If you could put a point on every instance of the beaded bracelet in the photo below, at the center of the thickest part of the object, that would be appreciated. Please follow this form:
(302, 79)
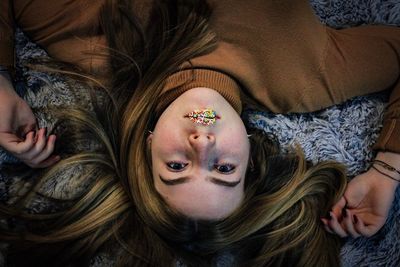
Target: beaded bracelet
(387, 167)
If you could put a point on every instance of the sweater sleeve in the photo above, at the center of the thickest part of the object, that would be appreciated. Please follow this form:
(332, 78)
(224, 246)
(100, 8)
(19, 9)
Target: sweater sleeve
(6, 34)
(67, 30)
(364, 60)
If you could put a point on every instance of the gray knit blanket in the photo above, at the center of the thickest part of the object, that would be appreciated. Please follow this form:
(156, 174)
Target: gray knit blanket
(344, 133)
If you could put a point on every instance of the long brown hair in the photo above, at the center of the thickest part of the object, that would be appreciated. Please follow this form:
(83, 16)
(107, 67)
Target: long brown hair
(277, 224)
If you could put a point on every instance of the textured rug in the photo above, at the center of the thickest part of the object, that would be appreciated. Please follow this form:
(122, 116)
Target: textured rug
(344, 133)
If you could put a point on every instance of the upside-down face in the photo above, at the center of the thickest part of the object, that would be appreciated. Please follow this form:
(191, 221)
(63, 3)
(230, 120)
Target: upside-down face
(200, 152)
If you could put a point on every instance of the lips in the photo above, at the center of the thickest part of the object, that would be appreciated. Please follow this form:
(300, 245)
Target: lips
(204, 117)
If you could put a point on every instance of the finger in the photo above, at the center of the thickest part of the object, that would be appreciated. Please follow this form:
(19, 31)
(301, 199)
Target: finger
(48, 162)
(363, 229)
(28, 143)
(329, 230)
(26, 128)
(16, 145)
(39, 145)
(349, 224)
(47, 151)
(338, 207)
(336, 227)
(326, 225)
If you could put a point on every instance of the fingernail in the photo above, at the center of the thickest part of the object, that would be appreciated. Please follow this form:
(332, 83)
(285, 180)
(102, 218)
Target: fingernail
(329, 216)
(355, 219)
(344, 213)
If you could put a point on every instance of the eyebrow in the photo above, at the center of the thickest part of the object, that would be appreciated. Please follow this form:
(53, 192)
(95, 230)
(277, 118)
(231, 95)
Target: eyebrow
(185, 179)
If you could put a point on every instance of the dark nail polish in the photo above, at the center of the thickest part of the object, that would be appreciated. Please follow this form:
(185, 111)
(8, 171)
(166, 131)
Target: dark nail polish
(329, 216)
(355, 219)
(344, 213)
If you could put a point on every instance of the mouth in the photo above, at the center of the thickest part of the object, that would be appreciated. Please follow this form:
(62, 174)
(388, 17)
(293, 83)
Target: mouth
(204, 117)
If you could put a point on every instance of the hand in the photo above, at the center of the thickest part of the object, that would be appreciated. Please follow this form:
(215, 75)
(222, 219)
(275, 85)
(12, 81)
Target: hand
(364, 208)
(17, 130)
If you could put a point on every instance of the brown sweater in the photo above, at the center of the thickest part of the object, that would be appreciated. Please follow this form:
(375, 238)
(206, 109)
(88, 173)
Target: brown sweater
(276, 51)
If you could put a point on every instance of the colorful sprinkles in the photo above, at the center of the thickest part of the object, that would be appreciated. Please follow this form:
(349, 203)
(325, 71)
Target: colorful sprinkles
(204, 117)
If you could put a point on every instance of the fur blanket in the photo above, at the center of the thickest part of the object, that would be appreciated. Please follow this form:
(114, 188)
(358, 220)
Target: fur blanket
(328, 134)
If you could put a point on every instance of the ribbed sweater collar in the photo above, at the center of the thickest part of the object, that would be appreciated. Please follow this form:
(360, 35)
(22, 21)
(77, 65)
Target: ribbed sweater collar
(184, 80)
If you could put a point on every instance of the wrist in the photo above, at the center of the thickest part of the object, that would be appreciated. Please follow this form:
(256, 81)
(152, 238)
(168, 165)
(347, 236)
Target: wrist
(382, 181)
(388, 165)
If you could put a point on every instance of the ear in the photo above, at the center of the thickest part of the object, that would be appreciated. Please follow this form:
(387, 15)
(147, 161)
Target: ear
(149, 138)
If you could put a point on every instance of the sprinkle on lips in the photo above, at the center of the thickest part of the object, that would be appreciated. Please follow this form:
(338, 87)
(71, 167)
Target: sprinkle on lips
(204, 117)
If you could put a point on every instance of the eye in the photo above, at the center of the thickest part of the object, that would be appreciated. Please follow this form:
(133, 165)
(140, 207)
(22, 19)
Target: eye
(225, 168)
(176, 166)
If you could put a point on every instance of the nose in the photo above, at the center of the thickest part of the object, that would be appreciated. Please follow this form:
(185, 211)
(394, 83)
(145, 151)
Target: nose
(202, 143)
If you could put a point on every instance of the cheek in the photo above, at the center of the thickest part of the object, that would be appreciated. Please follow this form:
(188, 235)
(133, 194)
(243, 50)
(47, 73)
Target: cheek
(166, 136)
(236, 139)
(167, 145)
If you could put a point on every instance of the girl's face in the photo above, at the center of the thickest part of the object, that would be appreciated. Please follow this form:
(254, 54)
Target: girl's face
(200, 170)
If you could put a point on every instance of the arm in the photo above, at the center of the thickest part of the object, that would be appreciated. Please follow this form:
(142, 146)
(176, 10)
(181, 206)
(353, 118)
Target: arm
(364, 208)
(68, 30)
(17, 122)
(364, 60)
(17, 129)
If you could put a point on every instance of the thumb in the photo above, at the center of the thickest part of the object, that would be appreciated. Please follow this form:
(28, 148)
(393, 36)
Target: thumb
(367, 230)
(16, 145)
(339, 206)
